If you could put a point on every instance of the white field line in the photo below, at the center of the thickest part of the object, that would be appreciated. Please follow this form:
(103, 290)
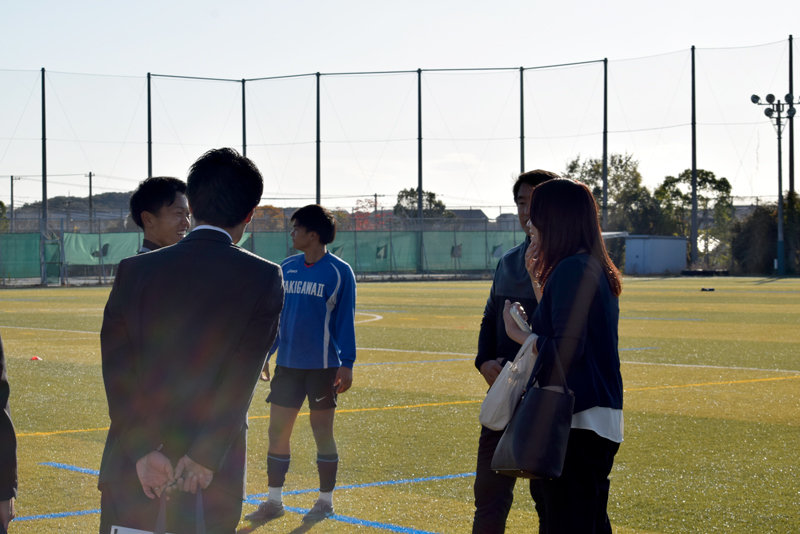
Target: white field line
(378, 317)
(374, 317)
(51, 330)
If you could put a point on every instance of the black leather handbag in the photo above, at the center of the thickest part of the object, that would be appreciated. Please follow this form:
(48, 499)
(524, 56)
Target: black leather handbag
(534, 443)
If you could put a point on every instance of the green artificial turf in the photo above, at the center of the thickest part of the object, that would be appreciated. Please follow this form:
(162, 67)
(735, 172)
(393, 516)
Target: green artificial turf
(712, 409)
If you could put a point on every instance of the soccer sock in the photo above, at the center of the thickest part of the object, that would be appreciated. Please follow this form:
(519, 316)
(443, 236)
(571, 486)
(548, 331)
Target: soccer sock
(275, 495)
(277, 467)
(327, 465)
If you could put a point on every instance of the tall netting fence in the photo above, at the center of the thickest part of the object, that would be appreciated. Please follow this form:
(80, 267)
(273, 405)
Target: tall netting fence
(360, 140)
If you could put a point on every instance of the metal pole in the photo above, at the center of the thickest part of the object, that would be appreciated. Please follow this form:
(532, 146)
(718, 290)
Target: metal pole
(91, 211)
(419, 172)
(521, 120)
(781, 258)
(419, 145)
(791, 119)
(319, 173)
(244, 123)
(605, 143)
(11, 213)
(149, 132)
(693, 237)
(44, 154)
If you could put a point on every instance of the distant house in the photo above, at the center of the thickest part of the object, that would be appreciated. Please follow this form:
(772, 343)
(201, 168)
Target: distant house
(508, 222)
(470, 219)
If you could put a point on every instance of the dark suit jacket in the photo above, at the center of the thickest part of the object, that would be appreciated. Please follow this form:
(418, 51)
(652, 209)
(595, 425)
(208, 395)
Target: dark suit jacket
(8, 439)
(185, 335)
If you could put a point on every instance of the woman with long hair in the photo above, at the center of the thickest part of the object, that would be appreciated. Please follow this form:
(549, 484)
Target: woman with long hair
(576, 320)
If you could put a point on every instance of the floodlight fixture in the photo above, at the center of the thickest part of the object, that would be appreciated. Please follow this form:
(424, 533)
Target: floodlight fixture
(755, 99)
(790, 113)
(768, 112)
(770, 98)
(788, 98)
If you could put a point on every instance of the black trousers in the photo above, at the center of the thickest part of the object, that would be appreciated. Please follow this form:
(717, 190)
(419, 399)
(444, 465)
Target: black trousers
(577, 501)
(124, 504)
(494, 493)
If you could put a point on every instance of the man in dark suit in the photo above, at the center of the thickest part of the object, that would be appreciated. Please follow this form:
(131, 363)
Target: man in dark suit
(185, 335)
(8, 451)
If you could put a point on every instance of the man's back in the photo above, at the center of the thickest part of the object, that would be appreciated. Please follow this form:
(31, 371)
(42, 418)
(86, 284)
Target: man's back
(186, 332)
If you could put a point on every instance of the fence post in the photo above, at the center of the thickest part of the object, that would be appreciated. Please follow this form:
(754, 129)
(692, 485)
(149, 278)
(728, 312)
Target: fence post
(42, 224)
(391, 250)
(102, 277)
(486, 238)
(63, 269)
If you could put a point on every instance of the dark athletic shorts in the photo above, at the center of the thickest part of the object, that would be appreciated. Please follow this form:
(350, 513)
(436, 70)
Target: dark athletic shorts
(290, 387)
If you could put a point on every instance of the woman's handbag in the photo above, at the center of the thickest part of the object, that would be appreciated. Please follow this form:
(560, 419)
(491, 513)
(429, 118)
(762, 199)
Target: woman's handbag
(534, 444)
(161, 522)
(504, 395)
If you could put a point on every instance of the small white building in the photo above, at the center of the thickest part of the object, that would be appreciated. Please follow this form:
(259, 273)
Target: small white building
(654, 254)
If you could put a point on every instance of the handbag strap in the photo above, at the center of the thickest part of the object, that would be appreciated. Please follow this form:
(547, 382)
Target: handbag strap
(199, 518)
(540, 364)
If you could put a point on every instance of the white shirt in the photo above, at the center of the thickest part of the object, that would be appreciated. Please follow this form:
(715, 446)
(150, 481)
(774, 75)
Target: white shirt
(210, 227)
(605, 422)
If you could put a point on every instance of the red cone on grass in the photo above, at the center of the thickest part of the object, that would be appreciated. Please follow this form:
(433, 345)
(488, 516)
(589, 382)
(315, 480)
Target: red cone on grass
(36, 359)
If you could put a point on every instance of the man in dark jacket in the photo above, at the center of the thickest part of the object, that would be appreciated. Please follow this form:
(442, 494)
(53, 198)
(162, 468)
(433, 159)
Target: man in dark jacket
(185, 334)
(494, 493)
(8, 450)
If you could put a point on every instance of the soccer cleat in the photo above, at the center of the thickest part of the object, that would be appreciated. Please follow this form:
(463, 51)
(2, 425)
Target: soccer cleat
(266, 511)
(321, 510)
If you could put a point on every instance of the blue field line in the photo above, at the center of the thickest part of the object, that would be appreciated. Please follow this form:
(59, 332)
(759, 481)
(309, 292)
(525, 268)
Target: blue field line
(640, 348)
(72, 468)
(660, 319)
(54, 516)
(417, 361)
(254, 499)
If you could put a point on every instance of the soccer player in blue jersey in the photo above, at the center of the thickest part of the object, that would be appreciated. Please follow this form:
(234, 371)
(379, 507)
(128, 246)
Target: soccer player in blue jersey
(316, 348)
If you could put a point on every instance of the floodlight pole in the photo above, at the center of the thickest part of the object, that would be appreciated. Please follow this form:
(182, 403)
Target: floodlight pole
(791, 120)
(781, 253)
(773, 111)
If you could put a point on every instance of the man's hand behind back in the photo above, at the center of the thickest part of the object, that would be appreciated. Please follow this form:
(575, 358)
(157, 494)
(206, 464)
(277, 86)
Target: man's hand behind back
(191, 475)
(155, 473)
(491, 370)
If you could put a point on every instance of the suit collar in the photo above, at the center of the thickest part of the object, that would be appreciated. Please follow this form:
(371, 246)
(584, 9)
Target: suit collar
(208, 234)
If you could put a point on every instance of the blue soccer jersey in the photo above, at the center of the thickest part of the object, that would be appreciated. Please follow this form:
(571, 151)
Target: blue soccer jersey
(317, 329)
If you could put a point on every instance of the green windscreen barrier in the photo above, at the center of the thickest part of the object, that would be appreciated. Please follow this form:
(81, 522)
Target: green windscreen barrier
(20, 256)
(365, 251)
(271, 246)
(88, 249)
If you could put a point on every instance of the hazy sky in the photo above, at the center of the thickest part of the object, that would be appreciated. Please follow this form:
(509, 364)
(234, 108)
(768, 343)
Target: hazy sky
(471, 120)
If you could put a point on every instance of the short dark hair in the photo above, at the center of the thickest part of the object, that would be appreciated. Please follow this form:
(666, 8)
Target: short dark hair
(532, 178)
(315, 218)
(154, 194)
(223, 187)
(565, 214)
